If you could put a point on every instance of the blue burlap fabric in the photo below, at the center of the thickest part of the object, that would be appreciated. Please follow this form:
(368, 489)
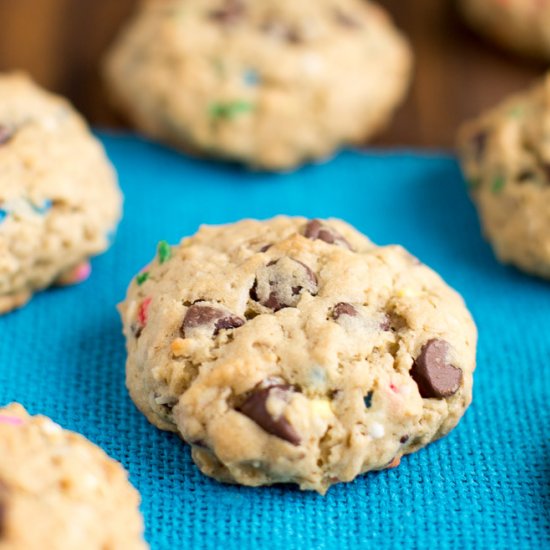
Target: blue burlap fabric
(486, 485)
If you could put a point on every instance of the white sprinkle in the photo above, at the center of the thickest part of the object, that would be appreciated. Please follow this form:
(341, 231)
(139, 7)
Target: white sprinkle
(50, 428)
(376, 430)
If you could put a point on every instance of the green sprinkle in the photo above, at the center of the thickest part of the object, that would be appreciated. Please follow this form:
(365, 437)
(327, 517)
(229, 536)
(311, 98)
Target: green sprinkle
(230, 109)
(498, 184)
(142, 277)
(164, 251)
(517, 111)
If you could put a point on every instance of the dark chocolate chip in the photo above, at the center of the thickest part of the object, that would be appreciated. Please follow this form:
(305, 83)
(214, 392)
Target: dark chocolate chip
(479, 143)
(526, 175)
(230, 13)
(255, 407)
(346, 20)
(282, 31)
(368, 399)
(199, 315)
(404, 439)
(315, 229)
(433, 374)
(5, 134)
(281, 282)
(266, 247)
(343, 308)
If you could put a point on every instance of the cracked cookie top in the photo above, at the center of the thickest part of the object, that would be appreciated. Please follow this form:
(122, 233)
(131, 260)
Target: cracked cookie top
(294, 350)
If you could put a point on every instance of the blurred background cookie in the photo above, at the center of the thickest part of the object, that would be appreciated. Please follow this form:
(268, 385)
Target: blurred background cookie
(59, 199)
(270, 83)
(456, 73)
(506, 159)
(518, 25)
(303, 353)
(58, 491)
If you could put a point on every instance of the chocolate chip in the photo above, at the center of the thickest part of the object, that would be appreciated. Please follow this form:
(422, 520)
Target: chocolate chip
(316, 229)
(346, 20)
(203, 316)
(266, 247)
(230, 13)
(404, 439)
(5, 134)
(368, 399)
(343, 308)
(136, 329)
(255, 407)
(479, 143)
(433, 374)
(281, 282)
(526, 175)
(282, 31)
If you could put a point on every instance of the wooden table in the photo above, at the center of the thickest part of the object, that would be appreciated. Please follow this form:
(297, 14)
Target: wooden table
(457, 74)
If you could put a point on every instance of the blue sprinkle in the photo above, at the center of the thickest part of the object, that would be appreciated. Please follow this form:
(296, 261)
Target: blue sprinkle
(3, 214)
(368, 400)
(43, 208)
(251, 77)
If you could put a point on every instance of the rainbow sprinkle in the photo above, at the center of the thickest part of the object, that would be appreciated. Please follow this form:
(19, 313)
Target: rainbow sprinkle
(230, 109)
(498, 184)
(42, 208)
(143, 311)
(142, 277)
(251, 77)
(11, 420)
(164, 251)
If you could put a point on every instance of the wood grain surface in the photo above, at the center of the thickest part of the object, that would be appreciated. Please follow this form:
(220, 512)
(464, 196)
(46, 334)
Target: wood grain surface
(61, 42)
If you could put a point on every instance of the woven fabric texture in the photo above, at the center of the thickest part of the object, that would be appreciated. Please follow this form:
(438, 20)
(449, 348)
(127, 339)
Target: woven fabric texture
(486, 485)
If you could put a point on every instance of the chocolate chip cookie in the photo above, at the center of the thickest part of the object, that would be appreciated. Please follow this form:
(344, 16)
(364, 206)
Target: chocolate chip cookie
(59, 200)
(269, 83)
(58, 491)
(296, 351)
(506, 160)
(519, 25)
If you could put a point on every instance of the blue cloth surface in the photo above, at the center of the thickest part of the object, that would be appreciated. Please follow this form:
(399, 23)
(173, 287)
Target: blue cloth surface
(486, 485)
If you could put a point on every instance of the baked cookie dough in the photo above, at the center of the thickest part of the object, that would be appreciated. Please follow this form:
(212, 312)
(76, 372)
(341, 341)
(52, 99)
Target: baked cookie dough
(59, 199)
(269, 83)
(296, 351)
(506, 159)
(519, 25)
(58, 491)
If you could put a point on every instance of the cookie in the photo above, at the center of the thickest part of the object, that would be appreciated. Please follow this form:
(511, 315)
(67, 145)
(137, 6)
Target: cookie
(58, 491)
(506, 159)
(59, 200)
(519, 25)
(296, 351)
(269, 83)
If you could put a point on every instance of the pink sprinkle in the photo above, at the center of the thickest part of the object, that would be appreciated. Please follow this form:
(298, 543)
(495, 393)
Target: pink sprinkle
(12, 420)
(394, 388)
(143, 311)
(82, 272)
